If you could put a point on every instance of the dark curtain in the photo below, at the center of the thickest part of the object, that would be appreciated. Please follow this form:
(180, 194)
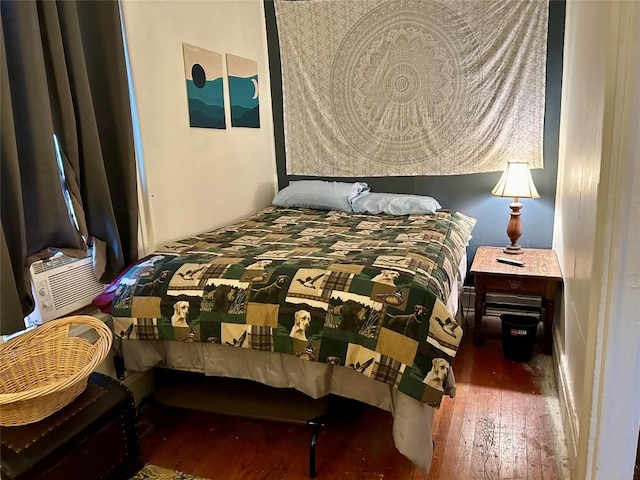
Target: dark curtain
(63, 72)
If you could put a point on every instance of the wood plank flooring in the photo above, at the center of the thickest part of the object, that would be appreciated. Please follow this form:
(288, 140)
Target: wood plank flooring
(503, 424)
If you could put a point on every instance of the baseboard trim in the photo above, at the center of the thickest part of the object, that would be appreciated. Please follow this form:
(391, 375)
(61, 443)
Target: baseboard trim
(467, 300)
(568, 413)
(141, 384)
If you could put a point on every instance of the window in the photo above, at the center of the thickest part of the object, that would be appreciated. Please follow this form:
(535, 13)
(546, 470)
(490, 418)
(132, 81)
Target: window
(63, 183)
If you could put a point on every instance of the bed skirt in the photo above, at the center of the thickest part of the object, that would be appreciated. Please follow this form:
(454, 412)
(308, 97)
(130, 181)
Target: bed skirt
(412, 420)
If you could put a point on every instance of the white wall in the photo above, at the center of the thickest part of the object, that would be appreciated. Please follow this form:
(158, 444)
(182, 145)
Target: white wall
(195, 179)
(581, 119)
(596, 237)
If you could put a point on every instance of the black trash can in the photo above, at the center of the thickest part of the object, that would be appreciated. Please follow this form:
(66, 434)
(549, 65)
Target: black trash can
(518, 336)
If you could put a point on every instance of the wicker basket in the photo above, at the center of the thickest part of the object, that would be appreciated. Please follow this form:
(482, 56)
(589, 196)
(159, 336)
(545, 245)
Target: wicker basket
(44, 369)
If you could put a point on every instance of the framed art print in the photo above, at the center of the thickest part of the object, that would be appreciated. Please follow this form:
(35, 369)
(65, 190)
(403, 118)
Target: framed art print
(205, 88)
(243, 92)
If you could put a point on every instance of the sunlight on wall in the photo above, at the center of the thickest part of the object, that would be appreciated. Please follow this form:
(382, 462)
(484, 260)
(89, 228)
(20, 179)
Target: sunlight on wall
(195, 179)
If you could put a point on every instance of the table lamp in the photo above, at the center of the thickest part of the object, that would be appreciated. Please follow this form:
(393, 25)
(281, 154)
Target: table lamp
(515, 182)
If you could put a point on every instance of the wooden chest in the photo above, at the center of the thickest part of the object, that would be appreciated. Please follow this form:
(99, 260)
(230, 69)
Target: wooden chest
(94, 437)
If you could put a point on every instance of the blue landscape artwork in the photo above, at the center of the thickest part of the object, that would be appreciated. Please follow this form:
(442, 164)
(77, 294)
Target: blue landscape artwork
(243, 92)
(205, 87)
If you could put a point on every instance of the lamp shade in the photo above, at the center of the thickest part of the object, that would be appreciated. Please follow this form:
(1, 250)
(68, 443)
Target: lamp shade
(516, 182)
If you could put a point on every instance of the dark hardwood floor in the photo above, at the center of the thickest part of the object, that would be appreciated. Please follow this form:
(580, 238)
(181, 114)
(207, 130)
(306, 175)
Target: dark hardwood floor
(503, 423)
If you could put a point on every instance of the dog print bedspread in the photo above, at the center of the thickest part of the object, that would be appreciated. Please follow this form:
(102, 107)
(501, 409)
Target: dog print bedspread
(365, 292)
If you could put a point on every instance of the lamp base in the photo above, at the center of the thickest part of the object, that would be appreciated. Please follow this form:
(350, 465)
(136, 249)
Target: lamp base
(514, 229)
(513, 250)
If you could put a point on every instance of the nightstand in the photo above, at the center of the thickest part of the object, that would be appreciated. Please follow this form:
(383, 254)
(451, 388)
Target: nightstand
(539, 277)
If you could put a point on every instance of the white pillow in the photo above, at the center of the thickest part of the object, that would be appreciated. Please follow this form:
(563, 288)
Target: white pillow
(320, 195)
(395, 204)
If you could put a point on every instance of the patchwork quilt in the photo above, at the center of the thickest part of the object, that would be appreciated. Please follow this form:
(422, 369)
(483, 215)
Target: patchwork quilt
(365, 292)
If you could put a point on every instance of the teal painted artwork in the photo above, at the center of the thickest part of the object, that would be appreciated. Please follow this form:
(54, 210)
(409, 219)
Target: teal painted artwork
(243, 92)
(205, 87)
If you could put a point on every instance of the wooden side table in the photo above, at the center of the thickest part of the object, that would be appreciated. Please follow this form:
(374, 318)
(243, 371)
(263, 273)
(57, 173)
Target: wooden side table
(539, 277)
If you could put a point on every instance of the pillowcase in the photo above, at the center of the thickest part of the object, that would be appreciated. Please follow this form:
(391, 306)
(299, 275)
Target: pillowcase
(395, 204)
(320, 195)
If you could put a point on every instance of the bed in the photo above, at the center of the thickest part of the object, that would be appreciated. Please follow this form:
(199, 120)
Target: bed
(324, 301)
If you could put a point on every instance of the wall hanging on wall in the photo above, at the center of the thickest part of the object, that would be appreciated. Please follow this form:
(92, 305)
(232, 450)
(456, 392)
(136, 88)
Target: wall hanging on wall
(205, 90)
(243, 92)
(411, 87)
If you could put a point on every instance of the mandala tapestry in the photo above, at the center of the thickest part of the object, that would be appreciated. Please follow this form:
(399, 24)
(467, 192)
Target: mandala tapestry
(411, 87)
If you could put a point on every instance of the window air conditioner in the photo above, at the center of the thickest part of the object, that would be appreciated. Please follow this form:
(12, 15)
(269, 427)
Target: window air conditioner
(60, 285)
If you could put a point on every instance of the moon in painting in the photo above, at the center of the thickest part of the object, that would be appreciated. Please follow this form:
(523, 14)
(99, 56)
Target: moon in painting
(255, 86)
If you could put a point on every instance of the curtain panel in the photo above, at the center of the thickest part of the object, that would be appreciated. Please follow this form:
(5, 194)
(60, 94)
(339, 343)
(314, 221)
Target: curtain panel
(63, 72)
